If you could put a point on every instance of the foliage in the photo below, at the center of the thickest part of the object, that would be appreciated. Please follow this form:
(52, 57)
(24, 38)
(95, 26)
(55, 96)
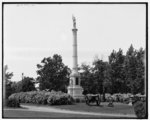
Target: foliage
(77, 100)
(12, 103)
(53, 74)
(7, 83)
(16, 86)
(121, 74)
(59, 99)
(101, 74)
(118, 97)
(43, 97)
(134, 70)
(140, 109)
(110, 100)
(95, 79)
(7, 75)
(87, 80)
(99, 68)
(26, 84)
(116, 60)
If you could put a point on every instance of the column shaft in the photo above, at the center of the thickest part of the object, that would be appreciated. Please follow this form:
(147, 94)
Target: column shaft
(75, 55)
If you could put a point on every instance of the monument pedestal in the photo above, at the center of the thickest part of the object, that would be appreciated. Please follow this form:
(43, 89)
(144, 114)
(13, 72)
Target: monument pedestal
(74, 88)
(76, 92)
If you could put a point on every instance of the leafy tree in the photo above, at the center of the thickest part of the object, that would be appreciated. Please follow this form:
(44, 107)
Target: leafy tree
(107, 83)
(140, 74)
(26, 84)
(100, 72)
(99, 68)
(7, 75)
(7, 91)
(121, 74)
(112, 61)
(134, 70)
(130, 68)
(53, 74)
(116, 61)
(16, 87)
(88, 82)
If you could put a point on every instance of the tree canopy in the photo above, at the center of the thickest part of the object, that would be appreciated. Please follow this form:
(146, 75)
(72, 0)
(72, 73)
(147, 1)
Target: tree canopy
(53, 74)
(7, 82)
(121, 74)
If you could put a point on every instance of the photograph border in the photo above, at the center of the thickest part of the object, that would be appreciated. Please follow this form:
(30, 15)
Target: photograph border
(45, 3)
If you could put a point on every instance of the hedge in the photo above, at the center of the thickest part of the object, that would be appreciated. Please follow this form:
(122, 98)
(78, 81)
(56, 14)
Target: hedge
(12, 103)
(140, 109)
(118, 97)
(43, 97)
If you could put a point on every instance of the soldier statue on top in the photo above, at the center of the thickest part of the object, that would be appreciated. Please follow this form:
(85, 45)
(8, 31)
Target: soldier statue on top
(74, 21)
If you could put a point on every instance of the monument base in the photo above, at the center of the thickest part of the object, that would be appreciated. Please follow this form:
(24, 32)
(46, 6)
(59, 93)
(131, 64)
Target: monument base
(76, 92)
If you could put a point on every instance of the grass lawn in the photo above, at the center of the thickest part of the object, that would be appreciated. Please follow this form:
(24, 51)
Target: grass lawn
(119, 108)
(35, 114)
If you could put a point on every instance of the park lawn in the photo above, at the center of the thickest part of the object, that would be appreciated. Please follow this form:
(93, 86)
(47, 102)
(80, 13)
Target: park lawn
(119, 108)
(36, 114)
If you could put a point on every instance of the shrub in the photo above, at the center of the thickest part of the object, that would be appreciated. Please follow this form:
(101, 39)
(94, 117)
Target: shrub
(40, 98)
(126, 100)
(43, 97)
(140, 109)
(77, 100)
(59, 99)
(82, 100)
(12, 103)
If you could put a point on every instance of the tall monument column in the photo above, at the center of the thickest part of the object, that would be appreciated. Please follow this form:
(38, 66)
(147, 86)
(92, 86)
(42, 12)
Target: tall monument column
(74, 88)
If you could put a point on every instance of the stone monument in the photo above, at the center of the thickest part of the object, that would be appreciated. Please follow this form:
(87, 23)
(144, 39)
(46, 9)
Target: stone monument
(74, 88)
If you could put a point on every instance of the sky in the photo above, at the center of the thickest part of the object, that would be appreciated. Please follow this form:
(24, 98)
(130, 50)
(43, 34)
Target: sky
(33, 31)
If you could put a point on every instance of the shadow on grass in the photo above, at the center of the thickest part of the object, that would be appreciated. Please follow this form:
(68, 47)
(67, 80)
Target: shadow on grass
(6, 107)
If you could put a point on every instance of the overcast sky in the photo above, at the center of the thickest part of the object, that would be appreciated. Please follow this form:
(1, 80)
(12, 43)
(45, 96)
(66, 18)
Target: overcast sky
(32, 32)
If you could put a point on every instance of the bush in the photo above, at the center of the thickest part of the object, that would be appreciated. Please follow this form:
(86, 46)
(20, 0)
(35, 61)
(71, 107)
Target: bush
(83, 100)
(43, 97)
(40, 99)
(12, 103)
(126, 100)
(140, 109)
(77, 100)
(59, 99)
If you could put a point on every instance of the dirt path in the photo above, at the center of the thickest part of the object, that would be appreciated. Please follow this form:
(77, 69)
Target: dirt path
(57, 110)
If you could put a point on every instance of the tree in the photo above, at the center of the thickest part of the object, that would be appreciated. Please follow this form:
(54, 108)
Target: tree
(88, 82)
(140, 74)
(107, 83)
(53, 74)
(134, 70)
(116, 61)
(7, 91)
(121, 74)
(100, 72)
(26, 84)
(7, 75)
